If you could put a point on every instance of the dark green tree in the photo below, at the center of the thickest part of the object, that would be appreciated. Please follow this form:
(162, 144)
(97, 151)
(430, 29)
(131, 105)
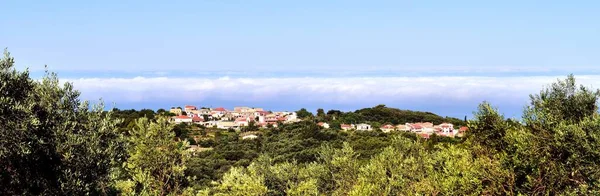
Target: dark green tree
(51, 143)
(321, 112)
(303, 113)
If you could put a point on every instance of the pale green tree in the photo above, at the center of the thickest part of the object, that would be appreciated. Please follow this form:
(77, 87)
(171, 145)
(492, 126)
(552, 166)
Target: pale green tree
(156, 161)
(240, 183)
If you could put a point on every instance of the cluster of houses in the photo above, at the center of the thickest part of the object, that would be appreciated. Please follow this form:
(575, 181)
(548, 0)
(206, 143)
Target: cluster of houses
(423, 129)
(231, 119)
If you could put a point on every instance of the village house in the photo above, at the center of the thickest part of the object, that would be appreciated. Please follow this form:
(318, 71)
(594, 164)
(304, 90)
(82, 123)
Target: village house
(176, 111)
(425, 127)
(387, 128)
(246, 109)
(447, 127)
(242, 122)
(291, 117)
(346, 127)
(403, 127)
(241, 109)
(190, 109)
(203, 111)
(221, 111)
(363, 127)
(323, 124)
(197, 119)
(226, 125)
(211, 123)
(416, 127)
(462, 131)
(182, 119)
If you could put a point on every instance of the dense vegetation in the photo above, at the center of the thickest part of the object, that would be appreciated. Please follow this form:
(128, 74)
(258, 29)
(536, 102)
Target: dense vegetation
(51, 143)
(376, 116)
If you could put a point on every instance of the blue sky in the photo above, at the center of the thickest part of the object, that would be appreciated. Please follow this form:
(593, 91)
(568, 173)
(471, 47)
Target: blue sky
(333, 50)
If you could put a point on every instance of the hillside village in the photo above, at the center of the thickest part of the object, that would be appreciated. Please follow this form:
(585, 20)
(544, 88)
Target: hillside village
(231, 119)
(240, 117)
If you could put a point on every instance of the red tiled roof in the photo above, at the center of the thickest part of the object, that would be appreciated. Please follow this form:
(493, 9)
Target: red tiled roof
(345, 125)
(182, 117)
(387, 127)
(190, 106)
(417, 126)
(263, 112)
(463, 128)
(197, 119)
(320, 123)
(221, 109)
(445, 125)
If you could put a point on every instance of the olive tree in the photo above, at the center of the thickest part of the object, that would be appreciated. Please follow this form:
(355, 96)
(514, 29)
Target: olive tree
(51, 142)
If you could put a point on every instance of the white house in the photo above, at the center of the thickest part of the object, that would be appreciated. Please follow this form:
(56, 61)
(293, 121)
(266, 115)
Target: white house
(241, 122)
(182, 119)
(226, 125)
(363, 127)
(190, 108)
(211, 123)
(204, 111)
(447, 127)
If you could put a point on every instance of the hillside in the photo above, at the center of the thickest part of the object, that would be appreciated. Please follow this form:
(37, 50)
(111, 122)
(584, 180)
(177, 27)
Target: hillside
(381, 114)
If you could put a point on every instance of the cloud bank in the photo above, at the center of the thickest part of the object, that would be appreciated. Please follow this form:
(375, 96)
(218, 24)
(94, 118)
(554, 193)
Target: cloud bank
(452, 96)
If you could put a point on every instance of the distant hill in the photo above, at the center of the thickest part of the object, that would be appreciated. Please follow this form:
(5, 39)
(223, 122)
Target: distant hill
(382, 114)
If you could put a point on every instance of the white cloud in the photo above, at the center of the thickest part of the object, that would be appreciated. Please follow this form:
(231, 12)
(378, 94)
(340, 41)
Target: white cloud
(439, 91)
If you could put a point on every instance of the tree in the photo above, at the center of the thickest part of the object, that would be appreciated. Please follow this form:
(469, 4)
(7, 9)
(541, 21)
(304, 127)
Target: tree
(556, 152)
(303, 113)
(51, 143)
(156, 162)
(237, 182)
(563, 101)
(488, 128)
(321, 113)
(251, 127)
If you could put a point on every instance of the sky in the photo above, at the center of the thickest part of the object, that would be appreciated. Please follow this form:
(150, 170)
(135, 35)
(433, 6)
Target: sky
(440, 56)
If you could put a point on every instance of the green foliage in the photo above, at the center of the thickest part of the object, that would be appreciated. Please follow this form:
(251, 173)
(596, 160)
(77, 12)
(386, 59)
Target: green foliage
(303, 113)
(237, 182)
(128, 117)
(51, 143)
(553, 152)
(488, 128)
(156, 164)
(384, 115)
(299, 141)
(556, 151)
(403, 168)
